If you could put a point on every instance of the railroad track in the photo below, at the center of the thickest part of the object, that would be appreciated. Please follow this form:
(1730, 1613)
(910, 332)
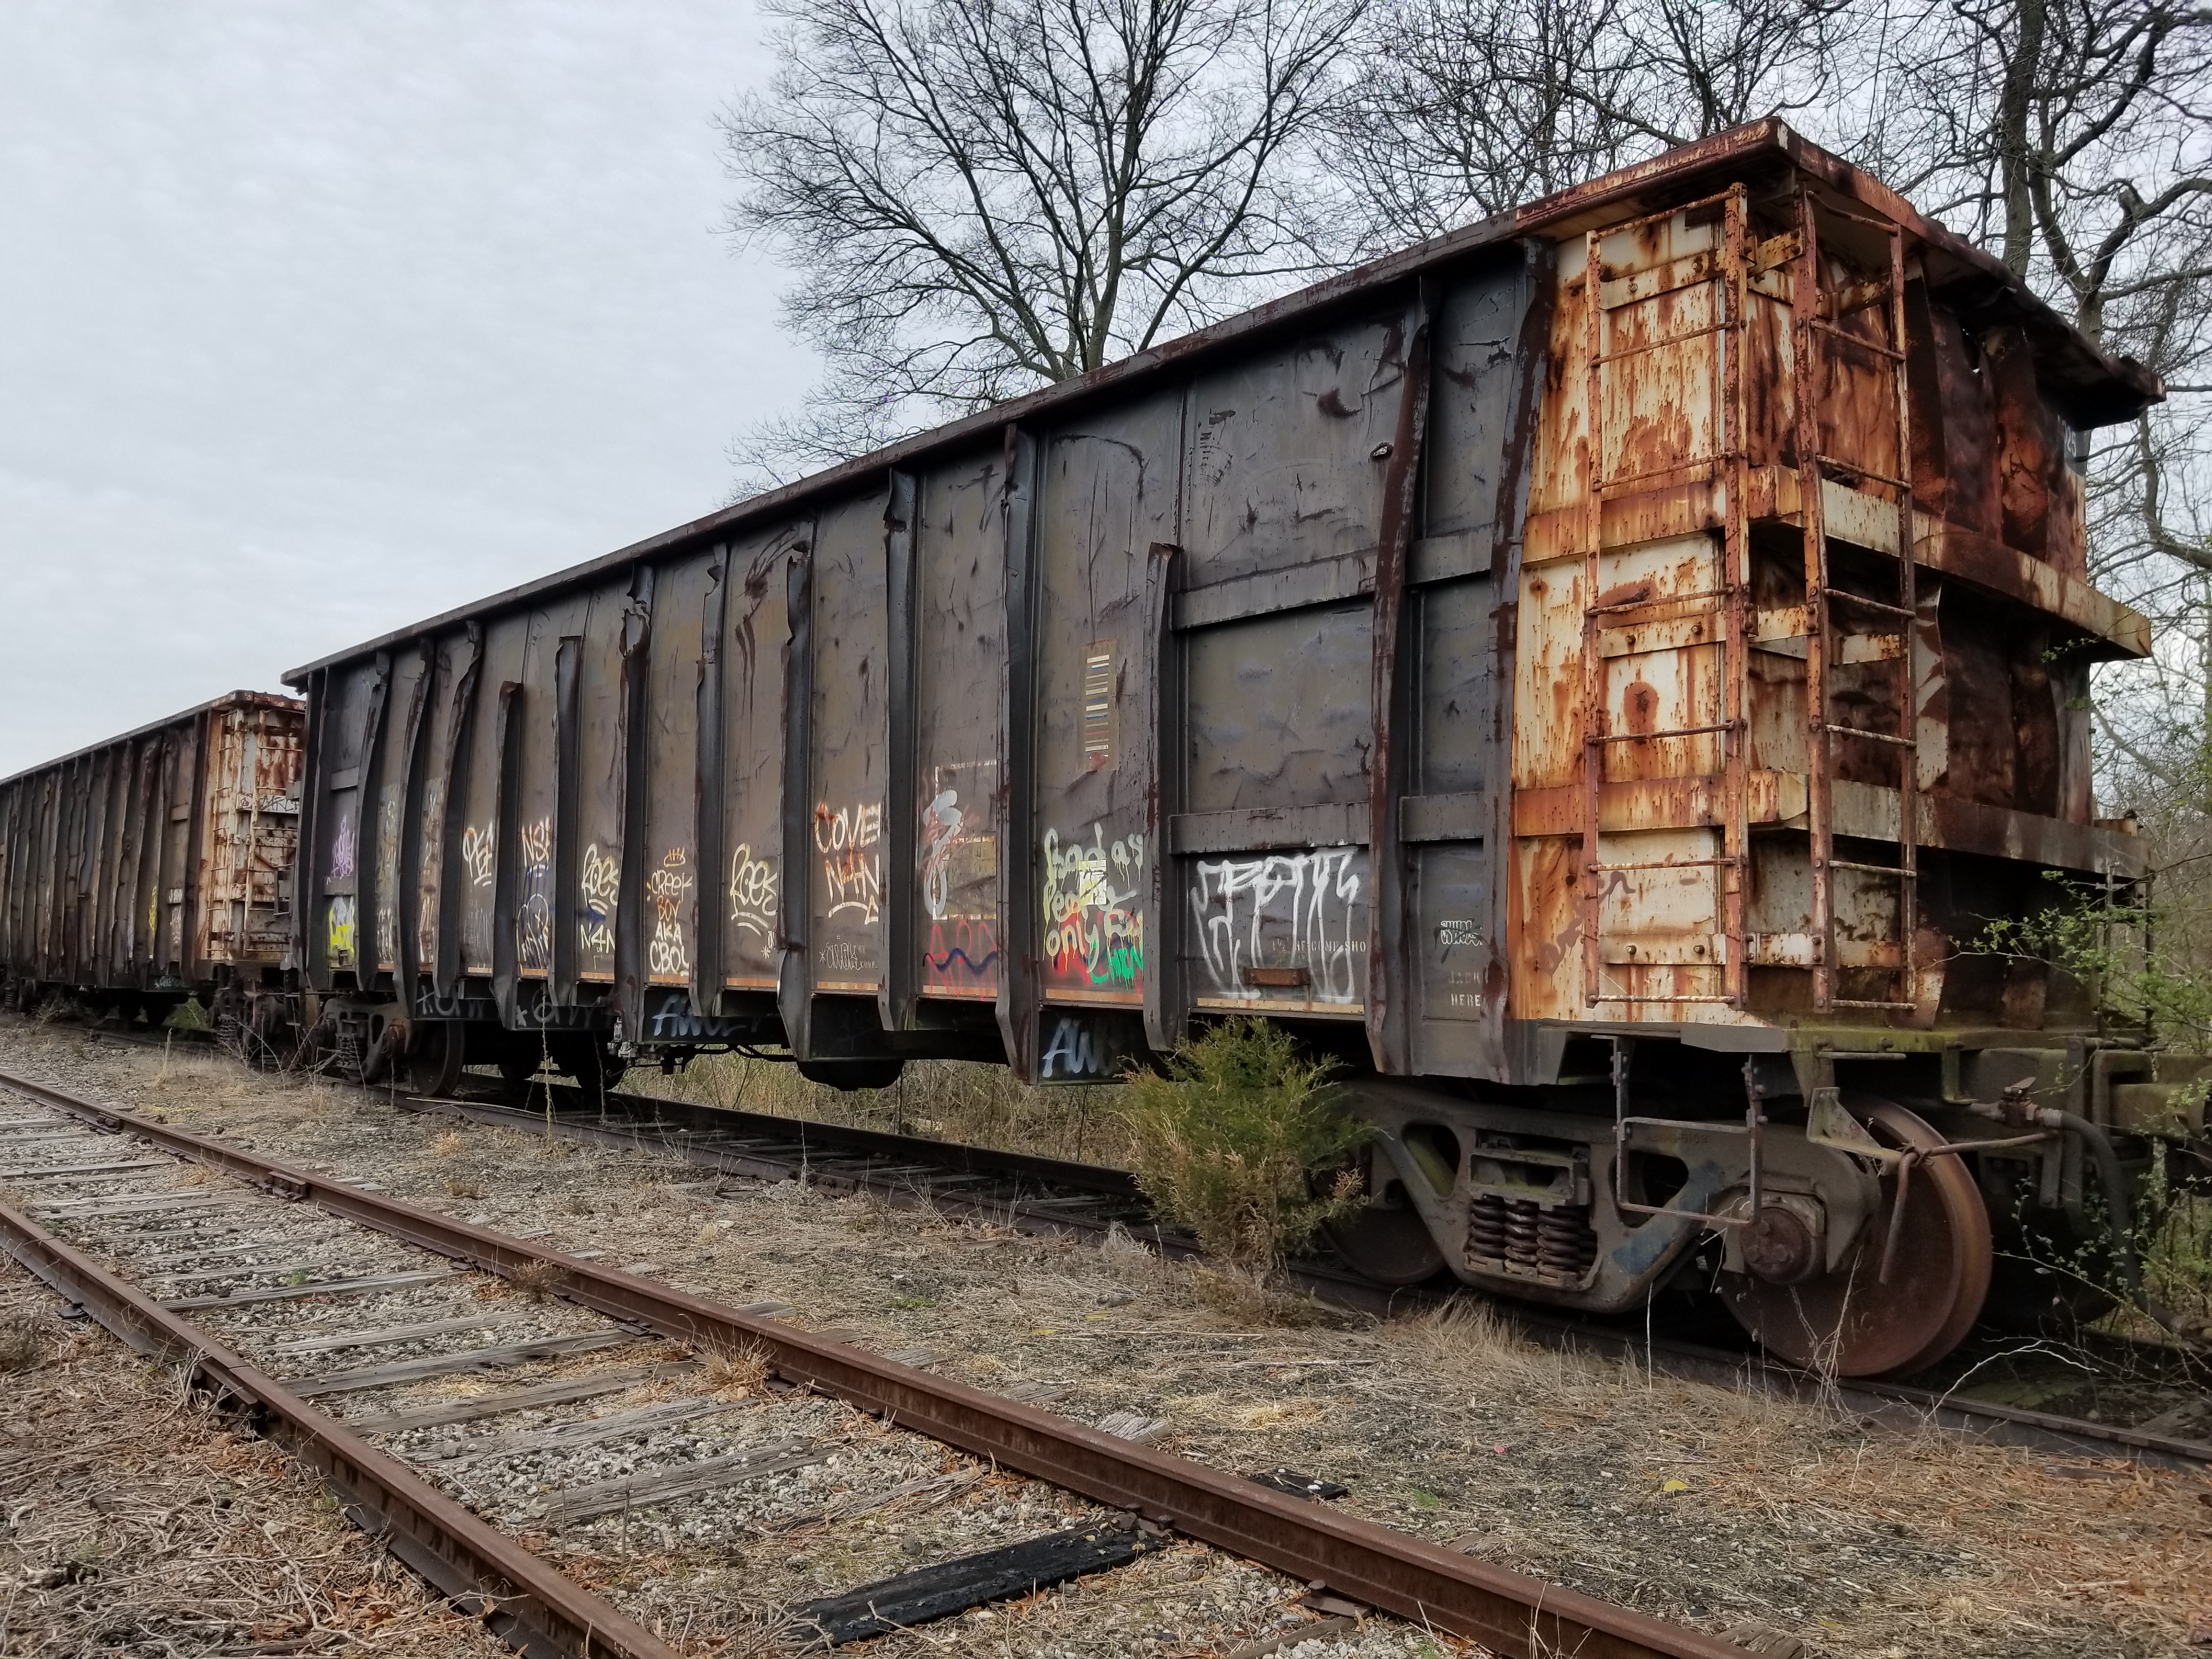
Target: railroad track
(1039, 1195)
(327, 1310)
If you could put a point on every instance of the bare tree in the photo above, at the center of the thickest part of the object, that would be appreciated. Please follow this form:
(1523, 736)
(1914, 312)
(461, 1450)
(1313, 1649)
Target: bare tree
(982, 195)
(2073, 138)
(1472, 108)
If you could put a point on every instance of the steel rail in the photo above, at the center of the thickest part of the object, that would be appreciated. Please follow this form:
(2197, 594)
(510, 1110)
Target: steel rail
(1506, 1611)
(1900, 1403)
(525, 1601)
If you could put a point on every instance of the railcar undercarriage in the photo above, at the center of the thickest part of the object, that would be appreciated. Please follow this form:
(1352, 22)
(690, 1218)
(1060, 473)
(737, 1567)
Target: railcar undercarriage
(1848, 1210)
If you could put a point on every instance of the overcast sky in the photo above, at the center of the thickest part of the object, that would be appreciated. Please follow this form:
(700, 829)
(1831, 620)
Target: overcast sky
(316, 320)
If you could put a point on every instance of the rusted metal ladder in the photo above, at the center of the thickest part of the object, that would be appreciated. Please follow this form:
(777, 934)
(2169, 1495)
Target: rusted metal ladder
(1843, 627)
(1632, 624)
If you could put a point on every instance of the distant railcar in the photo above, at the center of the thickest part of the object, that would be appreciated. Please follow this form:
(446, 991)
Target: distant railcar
(1594, 671)
(157, 866)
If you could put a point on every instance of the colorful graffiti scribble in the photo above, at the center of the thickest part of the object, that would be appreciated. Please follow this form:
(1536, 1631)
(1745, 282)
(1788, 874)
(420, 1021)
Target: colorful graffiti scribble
(962, 956)
(338, 935)
(1093, 920)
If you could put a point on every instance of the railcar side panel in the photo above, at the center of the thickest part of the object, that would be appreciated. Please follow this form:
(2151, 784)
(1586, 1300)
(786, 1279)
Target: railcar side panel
(957, 686)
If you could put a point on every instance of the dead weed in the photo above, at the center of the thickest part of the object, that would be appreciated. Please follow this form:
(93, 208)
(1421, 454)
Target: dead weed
(538, 1280)
(736, 1373)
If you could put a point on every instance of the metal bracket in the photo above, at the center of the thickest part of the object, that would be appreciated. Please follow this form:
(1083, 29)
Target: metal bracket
(1827, 1124)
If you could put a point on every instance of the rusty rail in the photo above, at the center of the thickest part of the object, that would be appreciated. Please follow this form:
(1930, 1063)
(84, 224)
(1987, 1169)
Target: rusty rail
(530, 1604)
(1508, 1612)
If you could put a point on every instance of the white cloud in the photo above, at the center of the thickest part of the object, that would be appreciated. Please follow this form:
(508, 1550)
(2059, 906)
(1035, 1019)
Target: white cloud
(320, 319)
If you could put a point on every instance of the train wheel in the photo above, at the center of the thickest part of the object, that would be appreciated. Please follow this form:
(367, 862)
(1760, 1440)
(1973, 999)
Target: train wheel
(1390, 1245)
(1848, 1322)
(442, 1054)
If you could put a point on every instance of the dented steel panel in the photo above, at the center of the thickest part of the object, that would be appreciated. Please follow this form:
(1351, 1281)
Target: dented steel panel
(1431, 657)
(159, 861)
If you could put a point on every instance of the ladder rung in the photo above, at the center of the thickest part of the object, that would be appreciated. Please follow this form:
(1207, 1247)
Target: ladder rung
(1668, 864)
(1652, 736)
(1729, 327)
(1608, 996)
(1888, 227)
(1871, 605)
(1877, 737)
(1873, 869)
(1853, 466)
(1874, 346)
(1646, 604)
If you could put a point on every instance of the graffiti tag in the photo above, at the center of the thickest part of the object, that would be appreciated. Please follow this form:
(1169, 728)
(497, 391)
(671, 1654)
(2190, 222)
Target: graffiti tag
(597, 888)
(666, 887)
(853, 874)
(1094, 924)
(1284, 909)
(477, 855)
(533, 915)
(752, 893)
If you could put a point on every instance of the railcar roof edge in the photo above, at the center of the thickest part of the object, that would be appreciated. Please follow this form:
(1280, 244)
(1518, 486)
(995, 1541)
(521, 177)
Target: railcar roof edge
(228, 699)
(2096, 389)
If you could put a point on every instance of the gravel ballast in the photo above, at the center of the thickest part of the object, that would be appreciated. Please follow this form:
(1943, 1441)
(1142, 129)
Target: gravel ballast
(1685, 1501)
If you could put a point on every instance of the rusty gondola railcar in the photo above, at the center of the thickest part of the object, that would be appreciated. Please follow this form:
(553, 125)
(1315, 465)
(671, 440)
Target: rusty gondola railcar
(1593, 672)
(157, 866)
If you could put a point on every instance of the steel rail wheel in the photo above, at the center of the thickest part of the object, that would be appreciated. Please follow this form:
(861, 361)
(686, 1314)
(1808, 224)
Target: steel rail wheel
(1852, 1323)
(1385, 1245)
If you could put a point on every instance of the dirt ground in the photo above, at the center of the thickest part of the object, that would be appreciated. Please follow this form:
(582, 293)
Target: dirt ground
(1685, 1501)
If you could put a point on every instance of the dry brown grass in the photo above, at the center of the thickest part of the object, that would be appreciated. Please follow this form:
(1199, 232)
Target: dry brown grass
(448, 1144)
(136, 1522)
(21, 1343)
(942, 1099)
(2128, 1543)
(1866, 1541)
(736, 1373)
(1245, 1298)
(538, 1280)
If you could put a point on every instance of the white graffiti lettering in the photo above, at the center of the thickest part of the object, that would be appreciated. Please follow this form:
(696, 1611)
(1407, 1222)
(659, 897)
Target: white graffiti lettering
(477, 855)
(666, 887)
(533, 915)
(597, 886)
(940, 825)
(1298, 909)
(1069, 1054)
(853, 874)
(752, 893)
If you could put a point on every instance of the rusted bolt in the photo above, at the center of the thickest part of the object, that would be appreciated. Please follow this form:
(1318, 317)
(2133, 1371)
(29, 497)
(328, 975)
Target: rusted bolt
(1780, 1248)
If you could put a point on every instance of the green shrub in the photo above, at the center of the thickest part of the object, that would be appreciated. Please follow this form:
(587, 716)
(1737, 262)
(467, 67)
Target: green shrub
(1230, 1140)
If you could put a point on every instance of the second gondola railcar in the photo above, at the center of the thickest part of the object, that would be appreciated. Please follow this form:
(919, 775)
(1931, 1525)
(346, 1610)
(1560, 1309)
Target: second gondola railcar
(157, 866)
